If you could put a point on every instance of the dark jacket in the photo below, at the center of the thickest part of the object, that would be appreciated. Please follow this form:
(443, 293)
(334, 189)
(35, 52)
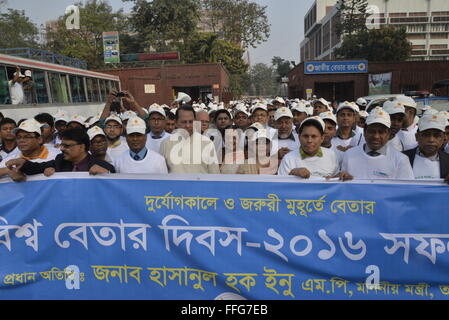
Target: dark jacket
(444, 161)
(61, 165)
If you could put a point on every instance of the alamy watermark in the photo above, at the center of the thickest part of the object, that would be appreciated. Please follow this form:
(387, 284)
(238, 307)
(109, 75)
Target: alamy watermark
(72, 22)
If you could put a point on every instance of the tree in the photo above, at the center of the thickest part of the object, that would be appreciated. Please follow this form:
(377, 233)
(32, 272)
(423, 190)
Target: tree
(164, 24)
(385, 44)
(353, 15)
(263, 80)
(239, 21)
(17, 30)
(282, 66)
(86, 43)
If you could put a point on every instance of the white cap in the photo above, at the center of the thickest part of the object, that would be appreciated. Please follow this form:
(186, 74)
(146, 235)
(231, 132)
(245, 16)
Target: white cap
(183, 97)
(329, 115)
(61, 116)
(279, 99)
(445, 114)
(282, 112)
(258, 106)
(313, 119)
(241, 108)
(393, 107)
(323, 101)
(93, 120)
(430, 111)
(157, 109)
(30, 125)
(113, 117)
(20, 75)
(361, 102)
(257, 126)
(309, 110)
(425, 108)
(28, 73)
(153, 105)
(127, 114)
(406, 101)
(136, 125)
(356, 107)
(300, 107)
(78, 119)
(347, 105)
(261, 134)
(378, 115)
(363, 114)
(95, 131)
(432, 121)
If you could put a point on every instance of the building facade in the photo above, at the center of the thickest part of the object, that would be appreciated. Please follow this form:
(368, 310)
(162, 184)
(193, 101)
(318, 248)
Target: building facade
(161, 84)
(426, 23)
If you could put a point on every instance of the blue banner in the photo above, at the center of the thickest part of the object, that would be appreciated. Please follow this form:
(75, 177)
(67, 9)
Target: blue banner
(76, 237)
(326, 67)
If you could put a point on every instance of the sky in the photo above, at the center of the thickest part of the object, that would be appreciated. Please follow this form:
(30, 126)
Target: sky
(286, 18)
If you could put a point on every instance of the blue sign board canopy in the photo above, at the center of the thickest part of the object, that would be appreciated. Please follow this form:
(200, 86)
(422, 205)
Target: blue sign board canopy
(334, 67)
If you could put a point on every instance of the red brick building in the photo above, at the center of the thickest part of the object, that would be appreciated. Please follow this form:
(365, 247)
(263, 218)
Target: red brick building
(161, 84)
(405, 76)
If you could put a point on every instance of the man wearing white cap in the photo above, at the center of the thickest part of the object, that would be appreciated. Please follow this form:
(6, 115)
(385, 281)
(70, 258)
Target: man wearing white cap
(139, 159)
(427, 160)
(76, 121)
(319, 106)
(346, 118)
(407, 134)
(278, 102)
(30, 145)
(396, 111)
(99, 144)
(376, 159)
(241, 117)
(311, 161)
(113, 129)
(299, 112)
(16, 88)
(288, 139)
(156, 123)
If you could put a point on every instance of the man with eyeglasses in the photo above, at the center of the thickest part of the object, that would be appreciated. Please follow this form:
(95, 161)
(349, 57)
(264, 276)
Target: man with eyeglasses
(74, 157)
(187, 150)
(30, 145)
(116, 143)
(156, 124)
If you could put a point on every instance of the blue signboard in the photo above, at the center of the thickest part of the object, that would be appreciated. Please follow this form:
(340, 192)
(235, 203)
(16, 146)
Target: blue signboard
(76, 237)
(326, 67)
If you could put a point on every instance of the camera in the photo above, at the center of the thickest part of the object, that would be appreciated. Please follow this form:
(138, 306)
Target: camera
(120, 94)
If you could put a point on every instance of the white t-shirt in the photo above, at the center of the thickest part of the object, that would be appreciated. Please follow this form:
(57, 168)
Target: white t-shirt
(155, 144)
(153, 163)
(424, 168)
(393, 165)
(4, 155)
(115, 152)
(16, 92)
(319, 167)
(338, 153)
(52, 153)
(336, 141)
(408, 138)
(289, 143)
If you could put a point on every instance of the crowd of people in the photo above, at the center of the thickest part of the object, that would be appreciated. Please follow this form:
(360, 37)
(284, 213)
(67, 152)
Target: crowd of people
(310, 139)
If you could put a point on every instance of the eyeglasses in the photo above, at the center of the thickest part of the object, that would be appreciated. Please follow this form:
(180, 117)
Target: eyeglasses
(68, 146)
(113, 127)
(25, 137)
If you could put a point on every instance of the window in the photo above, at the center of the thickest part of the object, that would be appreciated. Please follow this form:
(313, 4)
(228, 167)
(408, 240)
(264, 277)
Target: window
(40, 87)
(104, 92)
(58, 87)
(92, 90)
(77, 89)
(438, 36)
(4, 90)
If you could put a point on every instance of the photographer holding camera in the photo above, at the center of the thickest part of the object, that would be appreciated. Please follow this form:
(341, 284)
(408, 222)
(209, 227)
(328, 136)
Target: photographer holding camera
(111, 123)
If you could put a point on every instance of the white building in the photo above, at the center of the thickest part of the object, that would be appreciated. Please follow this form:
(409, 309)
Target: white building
(426, 23)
